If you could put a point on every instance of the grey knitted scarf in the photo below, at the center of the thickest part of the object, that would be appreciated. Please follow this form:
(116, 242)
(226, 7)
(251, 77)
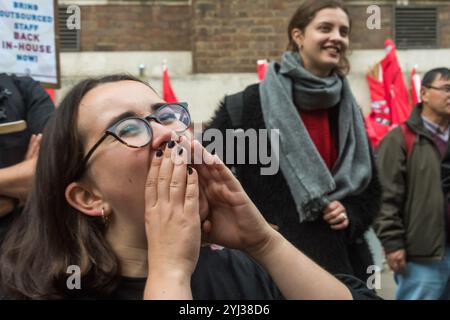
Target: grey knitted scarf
(288, 87)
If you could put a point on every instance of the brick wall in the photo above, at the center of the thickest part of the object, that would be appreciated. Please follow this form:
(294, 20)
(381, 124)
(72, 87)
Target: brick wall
(135, 28)
(224, 35)
(232, 35)
(361, 36)
(444, 27)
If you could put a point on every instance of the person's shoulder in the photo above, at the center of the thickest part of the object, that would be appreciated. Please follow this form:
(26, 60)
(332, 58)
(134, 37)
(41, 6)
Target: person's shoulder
(393, 138)
(27, 85)
(26, 80)
(251, 92)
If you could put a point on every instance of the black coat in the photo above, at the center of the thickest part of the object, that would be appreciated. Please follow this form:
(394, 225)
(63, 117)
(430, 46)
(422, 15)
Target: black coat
(337, 251)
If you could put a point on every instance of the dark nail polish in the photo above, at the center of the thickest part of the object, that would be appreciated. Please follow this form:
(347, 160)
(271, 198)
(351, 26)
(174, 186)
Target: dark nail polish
(190, 171)
(159, 153)
(180, 151)
(213, 152)
(171, 144)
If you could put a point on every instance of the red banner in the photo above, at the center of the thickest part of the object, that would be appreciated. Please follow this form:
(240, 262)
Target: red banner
(168, 94)
(262, 68)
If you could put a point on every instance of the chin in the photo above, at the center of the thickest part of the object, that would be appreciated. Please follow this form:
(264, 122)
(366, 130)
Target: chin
(331, 62)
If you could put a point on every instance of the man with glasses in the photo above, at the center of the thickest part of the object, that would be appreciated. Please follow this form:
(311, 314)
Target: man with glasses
(414, 221)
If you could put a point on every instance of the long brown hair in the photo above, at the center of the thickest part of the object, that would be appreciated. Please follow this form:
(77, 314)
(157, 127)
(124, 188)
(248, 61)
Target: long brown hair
(50, 235)
(303, 16)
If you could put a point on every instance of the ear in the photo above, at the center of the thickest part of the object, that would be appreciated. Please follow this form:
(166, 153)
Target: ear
(85, 200)
(424, 94)
(297, 36)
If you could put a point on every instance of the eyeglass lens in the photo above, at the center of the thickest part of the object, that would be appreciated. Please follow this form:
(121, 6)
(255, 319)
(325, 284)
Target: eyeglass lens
(136, 133)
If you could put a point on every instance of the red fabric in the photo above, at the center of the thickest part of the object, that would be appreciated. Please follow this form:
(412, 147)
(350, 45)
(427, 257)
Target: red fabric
(415, 87)
(375, 130)
(51, 93)
(318, 125)
(389, 96)
(168, 94)
(261, 68)
(379, 119)
(396, 93)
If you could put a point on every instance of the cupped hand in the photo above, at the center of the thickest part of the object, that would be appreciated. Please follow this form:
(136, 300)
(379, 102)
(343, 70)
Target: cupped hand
(234, 221)
(172, 218)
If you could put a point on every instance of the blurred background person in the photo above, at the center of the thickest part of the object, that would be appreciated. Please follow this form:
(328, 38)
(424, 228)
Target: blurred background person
(21, 98)
(413, 225)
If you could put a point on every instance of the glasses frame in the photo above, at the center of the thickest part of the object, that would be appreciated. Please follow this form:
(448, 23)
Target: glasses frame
(146, 120)
(444, 89)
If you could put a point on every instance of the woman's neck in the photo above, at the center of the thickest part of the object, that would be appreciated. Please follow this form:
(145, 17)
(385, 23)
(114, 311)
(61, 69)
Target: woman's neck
(129, 243)
(440, 121)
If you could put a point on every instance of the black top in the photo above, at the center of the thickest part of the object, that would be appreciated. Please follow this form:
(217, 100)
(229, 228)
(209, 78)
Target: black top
(227, 275)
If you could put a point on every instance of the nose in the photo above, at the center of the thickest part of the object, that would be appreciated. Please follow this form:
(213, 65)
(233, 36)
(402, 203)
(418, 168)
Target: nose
(336, 36)
(161, 134)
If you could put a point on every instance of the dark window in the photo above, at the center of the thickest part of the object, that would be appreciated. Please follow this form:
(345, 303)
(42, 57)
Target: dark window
(416, 27)
(69, 40)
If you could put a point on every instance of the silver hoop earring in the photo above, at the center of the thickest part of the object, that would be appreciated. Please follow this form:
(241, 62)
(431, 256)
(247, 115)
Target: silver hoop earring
(104, 217)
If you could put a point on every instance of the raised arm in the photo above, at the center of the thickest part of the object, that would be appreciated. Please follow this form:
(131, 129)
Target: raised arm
(235, 222)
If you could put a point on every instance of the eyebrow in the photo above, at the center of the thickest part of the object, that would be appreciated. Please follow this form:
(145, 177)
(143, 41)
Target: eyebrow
(329, 24)
(119, 117)
(128, 114)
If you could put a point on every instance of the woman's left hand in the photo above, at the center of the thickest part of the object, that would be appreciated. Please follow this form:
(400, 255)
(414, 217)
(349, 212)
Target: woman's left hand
(234, 221)
(336, 215)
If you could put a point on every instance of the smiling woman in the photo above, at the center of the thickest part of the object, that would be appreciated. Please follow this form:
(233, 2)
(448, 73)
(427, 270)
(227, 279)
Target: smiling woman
(319, 31)
(327, 193)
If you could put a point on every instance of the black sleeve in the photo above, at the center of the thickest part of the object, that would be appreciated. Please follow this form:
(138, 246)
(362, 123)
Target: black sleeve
(231, 275)
(363, 208)
(357, 288)
(39, 106)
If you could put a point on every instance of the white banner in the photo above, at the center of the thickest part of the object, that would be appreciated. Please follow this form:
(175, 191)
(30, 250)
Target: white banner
(27, 39)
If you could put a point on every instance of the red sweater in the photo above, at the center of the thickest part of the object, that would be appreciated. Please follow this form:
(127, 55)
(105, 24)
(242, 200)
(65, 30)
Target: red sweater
(318, 125)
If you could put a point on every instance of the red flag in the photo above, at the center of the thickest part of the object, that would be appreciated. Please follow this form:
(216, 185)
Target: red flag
(395, 89)
(375, 130)
(262, 67)
(168, 94)
(51, 93)
(415, 86)
(379, 119)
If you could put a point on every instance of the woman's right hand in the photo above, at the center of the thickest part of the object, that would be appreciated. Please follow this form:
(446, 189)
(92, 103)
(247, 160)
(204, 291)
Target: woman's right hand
(233, 221)
(172, 225)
